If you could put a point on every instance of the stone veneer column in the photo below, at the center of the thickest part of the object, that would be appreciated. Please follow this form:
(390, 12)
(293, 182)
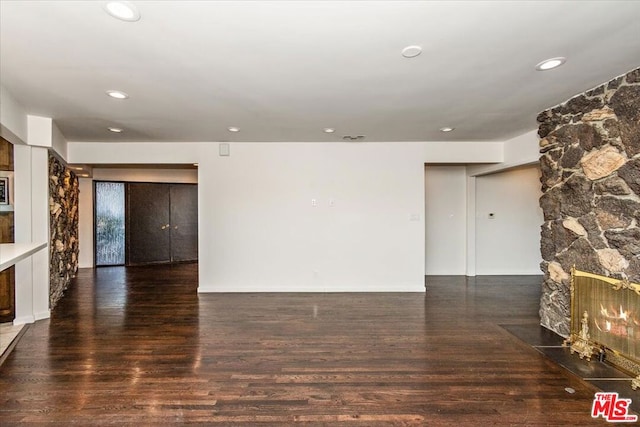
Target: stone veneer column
(63, 228)
(590, 162)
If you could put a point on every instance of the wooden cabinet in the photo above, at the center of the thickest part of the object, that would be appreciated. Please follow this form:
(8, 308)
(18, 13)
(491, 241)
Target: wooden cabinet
(162, 223)
(7, 297)
(7, 277)
(6, 155)
(6, 227)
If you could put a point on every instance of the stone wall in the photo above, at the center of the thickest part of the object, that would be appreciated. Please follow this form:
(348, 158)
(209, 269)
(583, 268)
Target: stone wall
(590, 162)
(63, 228)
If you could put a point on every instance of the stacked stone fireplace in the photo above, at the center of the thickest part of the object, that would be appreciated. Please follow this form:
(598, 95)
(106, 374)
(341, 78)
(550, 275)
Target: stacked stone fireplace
(590, 163)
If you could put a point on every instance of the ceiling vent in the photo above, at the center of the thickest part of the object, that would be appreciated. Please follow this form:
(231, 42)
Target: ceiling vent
(353, 138)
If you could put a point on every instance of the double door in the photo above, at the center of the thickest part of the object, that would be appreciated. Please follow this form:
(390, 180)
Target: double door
(161, 223)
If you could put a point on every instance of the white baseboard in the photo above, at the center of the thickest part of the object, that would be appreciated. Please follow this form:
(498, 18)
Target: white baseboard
(42, 315)
(23, 320)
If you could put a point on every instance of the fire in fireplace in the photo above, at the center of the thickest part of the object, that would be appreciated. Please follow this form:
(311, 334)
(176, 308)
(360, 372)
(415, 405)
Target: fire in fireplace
(621, 322)
(605, 319)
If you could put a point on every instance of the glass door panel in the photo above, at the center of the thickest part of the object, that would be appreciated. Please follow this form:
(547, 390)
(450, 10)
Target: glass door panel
(109, 223)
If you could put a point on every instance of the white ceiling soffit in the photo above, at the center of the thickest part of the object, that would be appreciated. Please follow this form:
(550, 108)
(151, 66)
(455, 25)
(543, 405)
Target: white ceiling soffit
(284, 71)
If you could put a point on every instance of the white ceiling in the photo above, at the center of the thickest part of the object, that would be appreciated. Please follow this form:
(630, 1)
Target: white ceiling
(283, 71)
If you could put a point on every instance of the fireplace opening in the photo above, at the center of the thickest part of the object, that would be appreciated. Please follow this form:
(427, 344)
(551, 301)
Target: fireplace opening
(605, 320)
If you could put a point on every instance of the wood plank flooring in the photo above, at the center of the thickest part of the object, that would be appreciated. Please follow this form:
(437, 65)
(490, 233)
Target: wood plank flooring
(139, 346)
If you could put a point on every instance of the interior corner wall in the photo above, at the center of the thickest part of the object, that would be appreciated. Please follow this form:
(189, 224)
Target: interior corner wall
(445, 219)
(509, 242)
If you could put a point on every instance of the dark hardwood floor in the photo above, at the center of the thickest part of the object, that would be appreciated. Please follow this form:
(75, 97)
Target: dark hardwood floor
(139, 346)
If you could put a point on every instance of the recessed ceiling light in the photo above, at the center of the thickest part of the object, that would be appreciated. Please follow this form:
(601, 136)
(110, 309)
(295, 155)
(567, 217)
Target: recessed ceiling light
(233, 129)
(446, 129)
(77, 168)
(411, 51)
(549, 64)
(115, 130)
(117, 94)
(328, 130)
(85, 175)
(123, 10)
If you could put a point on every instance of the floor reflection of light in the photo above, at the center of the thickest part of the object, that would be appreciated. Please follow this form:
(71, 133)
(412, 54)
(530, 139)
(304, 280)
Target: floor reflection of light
(135, 375)
(87, 374)
(197, 360)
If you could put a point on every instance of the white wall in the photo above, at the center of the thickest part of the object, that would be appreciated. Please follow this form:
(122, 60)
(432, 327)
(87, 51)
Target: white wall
(185, 176)
(58, 142)
(445, 220)
(85, 227)
(522, 150)
(32, 225)
(85, 223)
(31, 207)
(13, 118)
(195, 152)
(259, 230)
(509, 243)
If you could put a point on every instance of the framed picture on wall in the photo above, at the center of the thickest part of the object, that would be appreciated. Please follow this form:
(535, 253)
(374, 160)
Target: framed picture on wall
(4, 191)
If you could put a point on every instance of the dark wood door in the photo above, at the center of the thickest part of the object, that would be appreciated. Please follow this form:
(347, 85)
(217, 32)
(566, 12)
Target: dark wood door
(184, 222)
(148, 225)
(161, 223)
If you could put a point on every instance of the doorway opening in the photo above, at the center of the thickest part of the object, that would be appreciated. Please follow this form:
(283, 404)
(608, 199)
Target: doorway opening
(140, 223)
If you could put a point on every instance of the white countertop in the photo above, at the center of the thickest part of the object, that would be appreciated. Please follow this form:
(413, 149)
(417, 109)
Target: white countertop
(11, 253)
